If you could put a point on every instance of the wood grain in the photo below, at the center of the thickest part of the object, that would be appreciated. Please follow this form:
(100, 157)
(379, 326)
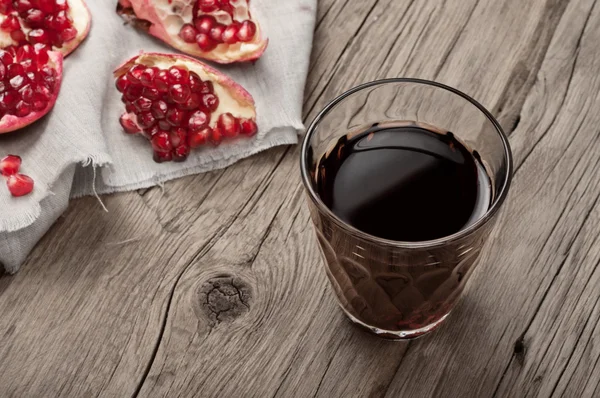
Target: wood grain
(213, 285)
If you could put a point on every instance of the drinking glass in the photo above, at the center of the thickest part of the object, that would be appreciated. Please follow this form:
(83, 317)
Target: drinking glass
(395, 289)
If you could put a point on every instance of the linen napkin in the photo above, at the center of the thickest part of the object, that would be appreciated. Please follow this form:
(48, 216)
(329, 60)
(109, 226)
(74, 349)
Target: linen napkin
(80, 149)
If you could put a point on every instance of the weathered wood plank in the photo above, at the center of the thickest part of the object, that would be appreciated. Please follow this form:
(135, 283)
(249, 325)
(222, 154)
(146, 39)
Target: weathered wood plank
(214, 286)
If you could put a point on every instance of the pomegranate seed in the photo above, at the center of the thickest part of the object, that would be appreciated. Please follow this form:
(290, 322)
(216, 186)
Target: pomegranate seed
(49, 21)
(177, 136)
(216, 33)
(230, 34)
(39, 36)
(35, 18)
(188, 33)
(129, 107)
(22, 5)
(159, 109)
(161, 142)
(42, 94)
(10, 24)
(151, 93)
(55, 38)
(164, 125)
(146, 120)
(41, 50)
(10, 165)
(226, 6)
(29, 67)
(229, 124)
(68, 34)
(216, 136)
(39, 105)
(46, 5)
(179, 93)
(142, 104)
(175, 117)
(198, 120)
(18, 36)
(160, 157)
(25, 52)
(205, 23)
(2, 71)
(19, 184)
(207, 88)
(181, 153)
(17, 82)
(249, 127)
(147, 77)
(194, 82)
(151, 132)
(208, 5)
(210, 102)
(135, 73)
(15, 70)
(22, 109)
(177, 75)
(26, 93)
(205, 42)
(161, 81)
(61, 21)
(122, 83)
(133, 92)
(10, 99)
(199, 138)
(247, 31)
(6, 57)
(48, 73)
(192, 102)
(128, 124)
(61, 5)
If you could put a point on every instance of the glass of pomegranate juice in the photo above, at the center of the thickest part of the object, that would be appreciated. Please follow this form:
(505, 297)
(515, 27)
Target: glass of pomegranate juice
(404, 179)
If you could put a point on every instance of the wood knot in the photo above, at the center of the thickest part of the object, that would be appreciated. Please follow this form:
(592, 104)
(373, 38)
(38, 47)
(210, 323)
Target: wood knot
(225, 298)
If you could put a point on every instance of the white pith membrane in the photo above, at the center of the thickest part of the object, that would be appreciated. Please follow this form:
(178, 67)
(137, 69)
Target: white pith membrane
(80, 18)
(173, 14)
(232, 97)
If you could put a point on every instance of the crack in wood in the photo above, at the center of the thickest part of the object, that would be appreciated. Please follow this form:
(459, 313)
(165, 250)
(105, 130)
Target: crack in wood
(337, 61)
(562, 102)
(393, 376)
(327, 368)
(524, 75)
(574, 349)
(392, 47)
(436, 74)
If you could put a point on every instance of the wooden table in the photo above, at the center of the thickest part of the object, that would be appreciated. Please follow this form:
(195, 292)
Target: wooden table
(213, 286)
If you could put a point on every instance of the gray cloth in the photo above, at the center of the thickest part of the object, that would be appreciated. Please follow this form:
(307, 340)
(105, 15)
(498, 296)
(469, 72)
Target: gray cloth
(80, 144)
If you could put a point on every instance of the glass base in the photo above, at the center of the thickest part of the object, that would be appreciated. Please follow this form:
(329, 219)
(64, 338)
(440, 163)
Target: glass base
(397, 335)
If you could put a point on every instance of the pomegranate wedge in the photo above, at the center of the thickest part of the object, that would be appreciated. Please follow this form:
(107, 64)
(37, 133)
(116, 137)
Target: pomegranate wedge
(179, 104)
(222, 31)
(62, 24)
(30, 78)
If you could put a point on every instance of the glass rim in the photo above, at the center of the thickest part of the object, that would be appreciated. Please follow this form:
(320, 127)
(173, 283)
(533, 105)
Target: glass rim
(500, 197)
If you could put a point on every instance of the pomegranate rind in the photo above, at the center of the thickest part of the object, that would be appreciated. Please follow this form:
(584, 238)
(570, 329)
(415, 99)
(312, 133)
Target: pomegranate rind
(243, 100)
(11, 123)
(146, 11)
(82, 21)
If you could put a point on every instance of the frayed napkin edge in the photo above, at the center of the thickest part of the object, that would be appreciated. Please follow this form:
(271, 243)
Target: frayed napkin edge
(26, 218)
